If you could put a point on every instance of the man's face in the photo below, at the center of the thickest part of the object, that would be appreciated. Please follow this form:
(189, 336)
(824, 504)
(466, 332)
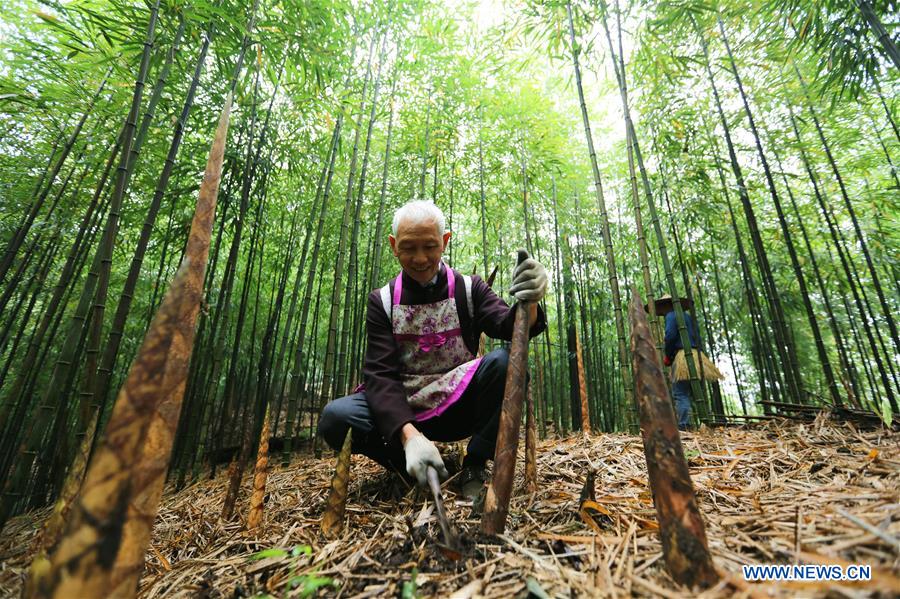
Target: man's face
(419, 247)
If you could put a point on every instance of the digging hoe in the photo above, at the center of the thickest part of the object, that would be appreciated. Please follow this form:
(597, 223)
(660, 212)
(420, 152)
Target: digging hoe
(451, 547)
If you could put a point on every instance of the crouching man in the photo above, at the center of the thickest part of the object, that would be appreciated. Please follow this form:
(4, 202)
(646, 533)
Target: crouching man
(422, 379)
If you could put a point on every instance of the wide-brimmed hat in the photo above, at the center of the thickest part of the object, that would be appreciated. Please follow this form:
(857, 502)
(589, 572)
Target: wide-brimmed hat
(664, 305)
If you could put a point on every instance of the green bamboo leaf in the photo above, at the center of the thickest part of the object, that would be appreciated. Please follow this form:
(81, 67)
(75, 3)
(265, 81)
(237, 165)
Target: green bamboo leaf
(267, 553)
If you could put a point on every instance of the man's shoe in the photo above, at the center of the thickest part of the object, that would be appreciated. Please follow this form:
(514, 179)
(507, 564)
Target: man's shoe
(471, 481)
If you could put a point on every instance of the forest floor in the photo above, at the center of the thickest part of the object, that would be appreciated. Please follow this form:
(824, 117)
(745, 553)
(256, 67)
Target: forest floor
(821, 492)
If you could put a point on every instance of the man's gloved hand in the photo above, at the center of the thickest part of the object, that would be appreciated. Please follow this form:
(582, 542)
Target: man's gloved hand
(667, 360)
(420, 454)
(529, 280)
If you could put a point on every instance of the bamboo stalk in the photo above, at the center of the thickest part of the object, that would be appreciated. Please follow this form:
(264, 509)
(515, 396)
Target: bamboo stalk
(582, 389)
(792, 370)
(379, 220)
(57, 390)
(348, 348)
(123, 486)
(298, 373)
(97, 393)
(697, 389)
(332, 382)
(776, 314)
(260, 476)
(604, 220)
(531, 485)
(837, 238)
(203, 378)
(18, 237)
(879, 31)
(680, 524)
(230, 394)
(333, 517)
(496, 504)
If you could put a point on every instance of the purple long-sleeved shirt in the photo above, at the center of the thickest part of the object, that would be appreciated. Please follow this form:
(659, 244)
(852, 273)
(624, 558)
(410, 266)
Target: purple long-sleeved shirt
(381, 371)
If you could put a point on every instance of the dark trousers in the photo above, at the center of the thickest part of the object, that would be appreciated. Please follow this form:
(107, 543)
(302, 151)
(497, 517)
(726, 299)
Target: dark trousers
(475, 414)
(681, 391)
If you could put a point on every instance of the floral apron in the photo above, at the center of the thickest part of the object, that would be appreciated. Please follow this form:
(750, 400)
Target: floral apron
(435, 364)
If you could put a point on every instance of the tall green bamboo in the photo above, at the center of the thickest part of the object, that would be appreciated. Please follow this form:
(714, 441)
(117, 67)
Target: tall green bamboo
(836, 240)
(330, 373)
(298, 373)
(887, 111)
(315, 207)
(98, 394)
(32, 251)
(229, 396)
(887, 312)
(349, 321)
(203, 382)
(776, 313)
(53, 396)
(723, 313)
(879, 31)
(826, 297)
(696, 388)
(375, 279)
(604, 220)
(746, 274)
(424, 168)
(804, 292)
(251, 419)
(18, 238)
(269, 364)
(560, 326)
(39, 345)
(793, 368)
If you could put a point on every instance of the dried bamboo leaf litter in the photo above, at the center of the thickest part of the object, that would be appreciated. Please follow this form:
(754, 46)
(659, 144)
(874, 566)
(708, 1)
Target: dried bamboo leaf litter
(765, 491)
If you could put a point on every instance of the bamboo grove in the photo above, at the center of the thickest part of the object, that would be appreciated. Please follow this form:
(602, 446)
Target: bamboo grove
(740, 154)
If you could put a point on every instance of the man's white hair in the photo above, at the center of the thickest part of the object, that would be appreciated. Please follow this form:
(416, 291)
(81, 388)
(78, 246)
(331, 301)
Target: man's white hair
(417, 212)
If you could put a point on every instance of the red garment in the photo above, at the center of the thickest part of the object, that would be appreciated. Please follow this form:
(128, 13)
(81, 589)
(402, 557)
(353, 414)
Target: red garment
(385, 393)
(667, 360)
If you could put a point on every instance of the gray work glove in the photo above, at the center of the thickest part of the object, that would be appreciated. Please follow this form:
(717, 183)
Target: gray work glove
(529, 279)
(420, 454)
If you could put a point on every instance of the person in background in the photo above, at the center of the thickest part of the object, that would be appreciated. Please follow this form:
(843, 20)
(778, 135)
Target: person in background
(675, 358)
